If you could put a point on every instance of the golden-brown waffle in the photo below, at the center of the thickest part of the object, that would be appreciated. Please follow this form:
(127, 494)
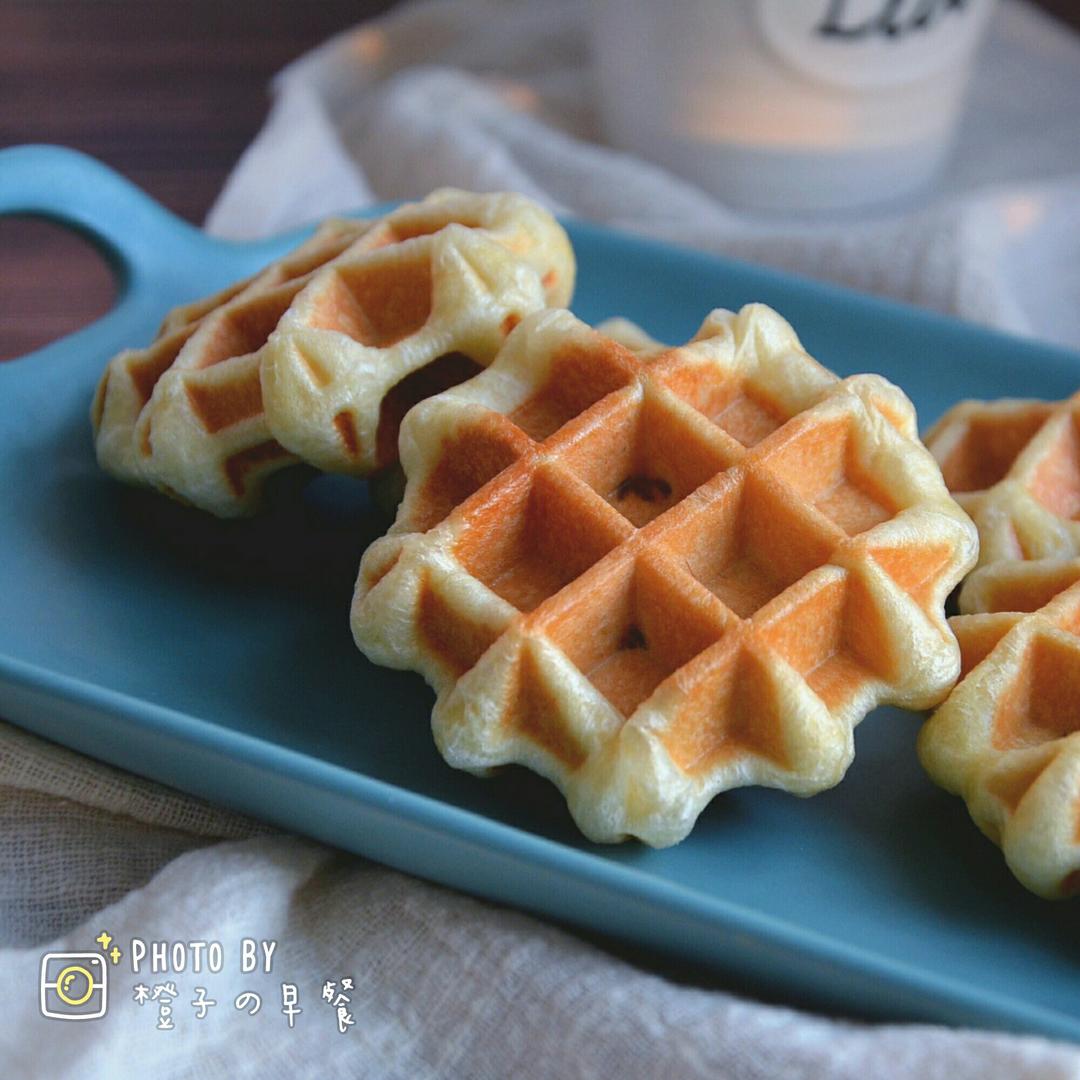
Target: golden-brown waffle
(225, 329)
(1014, 466)
(319, 356)
(654, 576)
(1008, 738)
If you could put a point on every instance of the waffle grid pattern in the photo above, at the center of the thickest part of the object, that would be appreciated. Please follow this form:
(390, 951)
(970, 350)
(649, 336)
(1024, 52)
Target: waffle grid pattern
(319, 357)
(121, 412)
(652, 577)
(1014, 466)
(1007, 739)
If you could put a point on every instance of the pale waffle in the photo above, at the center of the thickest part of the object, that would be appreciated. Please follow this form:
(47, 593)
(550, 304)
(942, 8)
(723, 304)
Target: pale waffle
(1008, 738)
(1014, 466)
(128, 382)
(318, 357)
(654, 576)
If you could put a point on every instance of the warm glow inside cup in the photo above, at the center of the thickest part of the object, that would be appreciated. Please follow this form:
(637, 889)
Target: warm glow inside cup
(798, 105)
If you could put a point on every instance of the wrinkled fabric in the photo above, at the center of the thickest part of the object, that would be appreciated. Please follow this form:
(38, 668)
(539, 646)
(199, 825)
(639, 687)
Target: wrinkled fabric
(442, 985)
(489, 95)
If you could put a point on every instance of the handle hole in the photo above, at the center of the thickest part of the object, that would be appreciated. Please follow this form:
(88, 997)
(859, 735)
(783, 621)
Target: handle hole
(52, 282)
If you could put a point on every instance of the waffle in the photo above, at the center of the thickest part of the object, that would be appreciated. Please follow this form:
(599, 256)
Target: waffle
(1014, 466)
(655, 576)
(130, 379)
(630, 336)
(1013, 586)
(1008, 738)
(319, 357)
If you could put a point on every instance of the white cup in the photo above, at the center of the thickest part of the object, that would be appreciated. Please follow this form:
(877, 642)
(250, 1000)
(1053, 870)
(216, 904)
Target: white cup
(799, 105)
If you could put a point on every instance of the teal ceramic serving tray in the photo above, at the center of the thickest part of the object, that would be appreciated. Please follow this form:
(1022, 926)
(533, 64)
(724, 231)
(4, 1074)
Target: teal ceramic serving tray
(216, 657)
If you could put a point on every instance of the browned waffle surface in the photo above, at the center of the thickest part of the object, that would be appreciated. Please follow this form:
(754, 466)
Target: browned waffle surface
(1008, 737)
(318, 357)
(1015, 468)
(207, 354)
(655, 575)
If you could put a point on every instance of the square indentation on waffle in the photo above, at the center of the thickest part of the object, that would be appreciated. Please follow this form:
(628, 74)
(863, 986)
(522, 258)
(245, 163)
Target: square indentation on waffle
(1008, 738)
(356, 325)
(646, 601)
(644, 453)
(1055, 477)
(990, 444)
(750, 541)
(629, 626)
(1041, 704)
(1015, 467)
(821, 464)
(737, 405)
(534, 534)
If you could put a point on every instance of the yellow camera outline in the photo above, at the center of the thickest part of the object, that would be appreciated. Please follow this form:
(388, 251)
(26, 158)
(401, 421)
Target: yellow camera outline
(76, 963)
(91, 986)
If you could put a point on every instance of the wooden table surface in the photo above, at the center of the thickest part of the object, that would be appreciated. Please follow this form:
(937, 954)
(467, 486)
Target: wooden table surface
(167, 92)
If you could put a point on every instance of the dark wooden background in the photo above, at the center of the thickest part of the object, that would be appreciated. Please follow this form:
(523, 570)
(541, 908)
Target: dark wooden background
(169, 92)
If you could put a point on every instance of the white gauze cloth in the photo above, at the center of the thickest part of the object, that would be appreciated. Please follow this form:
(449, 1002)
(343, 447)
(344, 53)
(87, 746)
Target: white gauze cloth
(494, 95)
(488, 95)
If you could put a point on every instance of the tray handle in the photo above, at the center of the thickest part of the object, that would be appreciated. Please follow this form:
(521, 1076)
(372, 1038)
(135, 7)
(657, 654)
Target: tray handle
(131, 230)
